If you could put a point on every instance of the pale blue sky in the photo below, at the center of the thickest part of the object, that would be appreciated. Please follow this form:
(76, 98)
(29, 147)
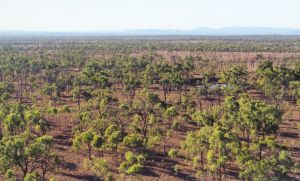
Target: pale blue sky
(105, 15)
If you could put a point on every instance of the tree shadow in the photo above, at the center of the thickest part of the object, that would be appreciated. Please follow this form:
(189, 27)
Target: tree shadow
(148, 172)
(69, 165)
(165, 165)
(82, 177)
(288, 135)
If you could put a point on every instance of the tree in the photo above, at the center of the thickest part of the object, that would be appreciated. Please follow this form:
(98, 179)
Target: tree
(146, 110)
(294, 87)
(274, 82)
(273, 166)
(258, 118)
(196, 144)
(98, 167)
(169, 114)
(235, 79)
(6, 90)
(87, 138)
(12, 122)
(133, 163)
(207, 117)
(113, 137)
(148, 76)
(177, 80)
(165, 78)
(46, 159)
(221, 142)
(133, 141)
(130, 84)
(28, 155)
(76, 92)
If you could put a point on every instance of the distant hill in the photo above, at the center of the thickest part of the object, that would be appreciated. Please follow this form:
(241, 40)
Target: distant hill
(218, 31)
(227, 31)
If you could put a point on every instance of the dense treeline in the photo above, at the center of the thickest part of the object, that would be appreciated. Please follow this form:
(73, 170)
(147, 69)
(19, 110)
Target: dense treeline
(125, 44)
(218, 122)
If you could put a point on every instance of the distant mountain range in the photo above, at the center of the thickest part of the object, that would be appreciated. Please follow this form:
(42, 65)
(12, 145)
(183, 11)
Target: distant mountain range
(218, 31)
(227, 31)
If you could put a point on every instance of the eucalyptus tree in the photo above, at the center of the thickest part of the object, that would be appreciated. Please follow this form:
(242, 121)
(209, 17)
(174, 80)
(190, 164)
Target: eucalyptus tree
(95, 75)
(283, 77)
(274, 82)
(27, 154)
(6, 91)
(51, 72)
(196, 145)
(258, 118)
(131, 82)
(103, 102)
(165, 78)
(113, 137)
(207, 117)
(149, 76)
(99, 167)
(221, 141)
(146, 110)
(88, 138)
(18, 118)
(188, 67)
(169, 114)
(236, 79)
(187, 107)
(78, 90)
(275, 164)
(294, 90)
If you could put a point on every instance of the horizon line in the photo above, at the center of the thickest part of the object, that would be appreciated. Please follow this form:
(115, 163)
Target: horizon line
(155, 29)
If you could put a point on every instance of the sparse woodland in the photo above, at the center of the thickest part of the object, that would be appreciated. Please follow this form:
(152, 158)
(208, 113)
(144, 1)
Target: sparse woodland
(150, 108)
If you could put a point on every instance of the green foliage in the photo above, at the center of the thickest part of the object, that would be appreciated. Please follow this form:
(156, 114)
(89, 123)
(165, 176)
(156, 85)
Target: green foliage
(117, 83)
(170, 112)
(113, 136)
(20, 152)
(98, 167)
(172, 153)
(220, 144)
(258, 117)
(196, 143)
(32, 177)
(269, 168)
(88, 138)
(9, 175)
(132, 164)
(12, 122)
(133, 141)
(6, 90)
(65, 109)
(236, 79)
(206, 117)
(275, 82)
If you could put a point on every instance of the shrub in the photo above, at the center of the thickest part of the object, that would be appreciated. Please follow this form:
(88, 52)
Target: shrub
(132, 163)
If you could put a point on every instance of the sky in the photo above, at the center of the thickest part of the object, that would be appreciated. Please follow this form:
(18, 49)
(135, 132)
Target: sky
(116, 15)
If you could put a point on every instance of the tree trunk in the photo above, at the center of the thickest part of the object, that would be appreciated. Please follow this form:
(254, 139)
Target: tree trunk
(90, 152)
(43, 175)
(260, 150)
(200, 104)
(165, 93)
(78, 102)
(201, 159)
